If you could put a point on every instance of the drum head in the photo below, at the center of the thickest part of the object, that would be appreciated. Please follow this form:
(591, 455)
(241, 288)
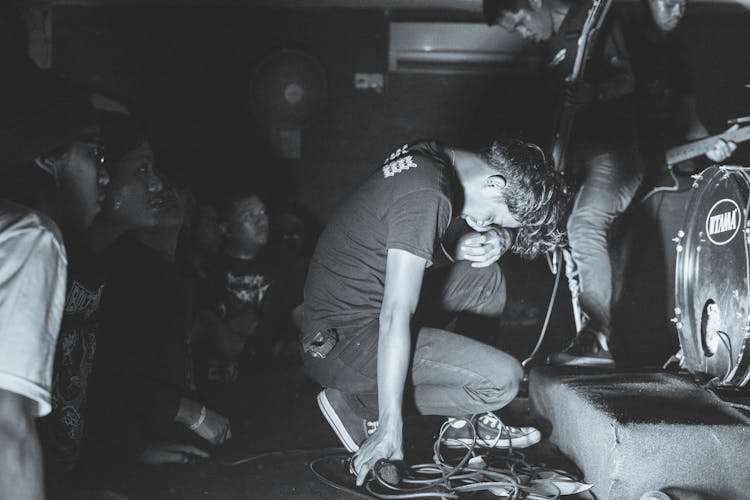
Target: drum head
(711, 282)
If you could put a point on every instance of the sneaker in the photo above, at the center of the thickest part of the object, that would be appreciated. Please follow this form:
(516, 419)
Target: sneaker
(588, 348)
(351, 430)
(491, 432)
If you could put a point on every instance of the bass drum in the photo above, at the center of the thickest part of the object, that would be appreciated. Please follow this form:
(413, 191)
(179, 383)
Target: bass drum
(712, 280)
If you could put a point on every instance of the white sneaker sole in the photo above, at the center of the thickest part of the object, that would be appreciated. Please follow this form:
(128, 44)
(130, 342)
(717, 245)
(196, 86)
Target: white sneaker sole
(525, 441)
(335, 422)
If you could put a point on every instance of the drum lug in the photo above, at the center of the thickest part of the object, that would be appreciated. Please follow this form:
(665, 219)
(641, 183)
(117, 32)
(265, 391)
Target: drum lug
(678, 239)
(696, 178)
(677, 322)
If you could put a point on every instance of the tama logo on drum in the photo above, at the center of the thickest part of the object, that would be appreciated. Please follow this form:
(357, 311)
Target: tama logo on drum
(723, 221)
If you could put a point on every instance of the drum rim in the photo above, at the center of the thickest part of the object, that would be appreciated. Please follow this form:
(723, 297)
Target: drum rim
(685, 273)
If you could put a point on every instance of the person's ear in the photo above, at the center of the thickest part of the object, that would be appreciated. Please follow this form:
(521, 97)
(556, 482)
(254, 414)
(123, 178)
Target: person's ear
(45, 163)
(496, 183)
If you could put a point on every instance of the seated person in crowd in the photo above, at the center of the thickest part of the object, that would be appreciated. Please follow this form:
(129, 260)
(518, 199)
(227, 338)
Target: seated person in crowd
(139, 384)
(249, 296)
(49, 138)
(365, 279)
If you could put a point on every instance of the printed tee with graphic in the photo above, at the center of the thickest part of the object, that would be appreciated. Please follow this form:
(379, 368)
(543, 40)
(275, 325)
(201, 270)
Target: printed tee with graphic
(240, 286)
(62, 431)
(405, 204)
(250, 299)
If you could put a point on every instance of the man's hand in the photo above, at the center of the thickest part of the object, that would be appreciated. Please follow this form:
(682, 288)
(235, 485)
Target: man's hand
(215, 428)
(484, 249)
(580, 94)
(385, 443)
(722, 149)
(171, 453)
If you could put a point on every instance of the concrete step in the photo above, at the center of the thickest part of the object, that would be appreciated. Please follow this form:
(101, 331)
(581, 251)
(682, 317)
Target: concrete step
(630, 433)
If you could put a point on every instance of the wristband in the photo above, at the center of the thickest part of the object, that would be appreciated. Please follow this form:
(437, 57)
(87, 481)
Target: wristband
(201, 419)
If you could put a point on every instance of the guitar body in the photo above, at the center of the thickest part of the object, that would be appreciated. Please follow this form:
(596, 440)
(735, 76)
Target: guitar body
(664, 170)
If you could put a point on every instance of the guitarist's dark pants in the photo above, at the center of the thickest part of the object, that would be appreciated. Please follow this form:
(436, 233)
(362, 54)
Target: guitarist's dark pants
(609, 180)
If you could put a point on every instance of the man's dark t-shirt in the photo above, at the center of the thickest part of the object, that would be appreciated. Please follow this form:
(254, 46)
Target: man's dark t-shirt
(608, 120)
(406, 204)
(142, 360)
(237, 286)
(664, 78)
(62, 431)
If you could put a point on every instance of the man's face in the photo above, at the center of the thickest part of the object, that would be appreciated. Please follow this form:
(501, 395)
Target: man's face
(82, 179)
(531, 24)
(249, 223)
(486, 207)
(667, 13)
(134, 198)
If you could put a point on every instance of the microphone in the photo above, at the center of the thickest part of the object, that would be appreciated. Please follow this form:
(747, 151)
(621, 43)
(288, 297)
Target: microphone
(390, 472)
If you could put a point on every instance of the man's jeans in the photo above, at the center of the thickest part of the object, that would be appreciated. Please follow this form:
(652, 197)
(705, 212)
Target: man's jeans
(449, 375)
(611, 179)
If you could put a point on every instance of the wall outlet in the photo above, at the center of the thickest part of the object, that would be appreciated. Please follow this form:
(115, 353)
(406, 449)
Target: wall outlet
(369, 82)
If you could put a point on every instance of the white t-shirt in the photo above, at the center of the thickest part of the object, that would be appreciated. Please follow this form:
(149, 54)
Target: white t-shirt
(33, 269)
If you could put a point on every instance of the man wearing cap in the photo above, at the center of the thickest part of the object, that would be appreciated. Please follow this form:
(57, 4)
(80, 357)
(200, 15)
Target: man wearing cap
(49, 167)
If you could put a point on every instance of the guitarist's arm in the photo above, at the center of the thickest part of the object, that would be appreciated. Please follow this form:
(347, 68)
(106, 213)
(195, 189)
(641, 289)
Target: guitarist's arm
(617, 77)
(612, 72)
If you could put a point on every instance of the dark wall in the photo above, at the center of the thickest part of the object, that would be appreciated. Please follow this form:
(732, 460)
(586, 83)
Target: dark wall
(719, 40)
(188, 72)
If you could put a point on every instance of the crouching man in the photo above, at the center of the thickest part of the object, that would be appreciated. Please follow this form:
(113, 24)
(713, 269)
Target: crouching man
(365, 280)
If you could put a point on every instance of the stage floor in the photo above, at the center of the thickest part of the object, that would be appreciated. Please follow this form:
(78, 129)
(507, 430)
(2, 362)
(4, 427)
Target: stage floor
(277, 431)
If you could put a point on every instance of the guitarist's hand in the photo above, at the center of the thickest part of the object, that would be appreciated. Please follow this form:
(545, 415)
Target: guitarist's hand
(722, 149)
(579, 94)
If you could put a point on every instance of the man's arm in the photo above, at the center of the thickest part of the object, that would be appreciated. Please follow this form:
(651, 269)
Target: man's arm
(21, 475)
(617, 77)
(403, 282)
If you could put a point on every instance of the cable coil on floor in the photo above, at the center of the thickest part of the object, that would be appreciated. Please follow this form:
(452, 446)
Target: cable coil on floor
(505, 475)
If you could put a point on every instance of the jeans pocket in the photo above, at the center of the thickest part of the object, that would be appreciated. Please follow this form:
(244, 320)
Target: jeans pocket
(360, 351)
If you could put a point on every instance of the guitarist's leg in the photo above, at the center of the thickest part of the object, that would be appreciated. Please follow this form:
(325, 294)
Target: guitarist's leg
(611, 179)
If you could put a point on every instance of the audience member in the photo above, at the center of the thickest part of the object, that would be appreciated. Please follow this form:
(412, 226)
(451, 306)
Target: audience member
(246, 310)
(49, 136)
(140, 374)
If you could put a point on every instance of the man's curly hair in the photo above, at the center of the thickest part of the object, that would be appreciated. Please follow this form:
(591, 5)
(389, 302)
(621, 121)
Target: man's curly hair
(536, 195)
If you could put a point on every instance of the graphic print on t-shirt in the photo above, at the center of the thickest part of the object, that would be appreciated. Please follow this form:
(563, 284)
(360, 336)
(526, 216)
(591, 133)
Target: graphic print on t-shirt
(248, 289)
(397, 162)
(76, 347)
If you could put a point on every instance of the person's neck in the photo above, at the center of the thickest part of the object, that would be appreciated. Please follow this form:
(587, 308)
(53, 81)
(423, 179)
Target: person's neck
(239, 252)
(102, 233)
(469, 167)
(72, 232)
(161, 239)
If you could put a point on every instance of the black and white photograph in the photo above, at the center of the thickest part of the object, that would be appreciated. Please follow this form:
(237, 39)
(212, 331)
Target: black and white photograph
(374, 249)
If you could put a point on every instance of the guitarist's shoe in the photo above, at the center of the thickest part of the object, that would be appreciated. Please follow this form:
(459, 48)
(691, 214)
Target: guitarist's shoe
(588, 348)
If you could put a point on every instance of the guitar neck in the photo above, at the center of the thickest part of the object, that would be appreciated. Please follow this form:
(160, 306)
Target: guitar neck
(589, 33)
(702, 146)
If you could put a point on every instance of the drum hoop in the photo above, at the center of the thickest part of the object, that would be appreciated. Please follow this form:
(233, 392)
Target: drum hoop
(685, 270)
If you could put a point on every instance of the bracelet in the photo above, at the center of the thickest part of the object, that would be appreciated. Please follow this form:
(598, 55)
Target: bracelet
(201, 419)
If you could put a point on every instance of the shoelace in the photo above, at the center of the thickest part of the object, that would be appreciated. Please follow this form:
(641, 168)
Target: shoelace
(491, 420)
